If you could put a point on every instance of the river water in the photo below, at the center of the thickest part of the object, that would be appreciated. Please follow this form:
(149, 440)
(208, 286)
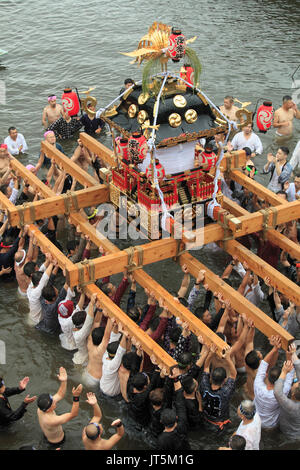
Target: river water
(248, 49)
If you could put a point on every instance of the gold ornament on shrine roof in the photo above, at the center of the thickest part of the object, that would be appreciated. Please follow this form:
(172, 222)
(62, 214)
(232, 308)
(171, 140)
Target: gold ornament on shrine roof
(142, 116)
(179, 101)
(132, 110)
(191, 116)
(143, 98)
(174, 120)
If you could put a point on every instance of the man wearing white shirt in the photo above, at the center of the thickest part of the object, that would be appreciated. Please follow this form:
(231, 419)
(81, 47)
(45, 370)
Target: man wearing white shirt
(246, 138)
(266, 404)
(293, 189)
(34, 292)
(15, 141)
(112, 358)
(250, 426)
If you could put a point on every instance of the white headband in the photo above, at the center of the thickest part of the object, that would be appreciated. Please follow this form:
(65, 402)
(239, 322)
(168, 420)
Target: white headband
(24, 256)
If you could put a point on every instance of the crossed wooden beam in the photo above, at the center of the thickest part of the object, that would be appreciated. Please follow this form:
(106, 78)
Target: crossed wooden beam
(117, 260)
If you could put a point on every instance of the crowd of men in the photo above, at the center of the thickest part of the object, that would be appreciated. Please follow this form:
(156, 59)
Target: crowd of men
(198, 393)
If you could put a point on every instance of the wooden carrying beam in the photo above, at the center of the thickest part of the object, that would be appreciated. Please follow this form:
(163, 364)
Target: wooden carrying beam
(55, 205)
(256, 187)
(263, 269)
(147, 343)
(238, 302)
(68, 165)
(33, 180)
(98, 149)
(233, 160)
(178, 310)
(272, 235)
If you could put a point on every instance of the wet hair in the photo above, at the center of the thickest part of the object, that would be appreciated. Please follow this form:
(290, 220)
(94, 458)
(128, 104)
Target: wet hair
(29, 268)
(168, 417)
(156, 396)
(97, 335)
(72, 244)
(139, 381)
(12, 128)
(154, 323)
(248, 151)
(78, 318)
(284, 150)
(218, 375)
(229, 97)
(128, 80)
(3, 188)
(286, 98)
(92, 431)
(44, 401)
(184, 360)
(134, 314)
(36, 277)
(188, 384)
(112, 348)
(296, 172)
(237, 442)
(131, 361)
(252, 359)
(183, 301)
(105, 289)
(49, 293)
(222, 336)
(281, 192)
(273, 374)
(175, 334)
(247, 408)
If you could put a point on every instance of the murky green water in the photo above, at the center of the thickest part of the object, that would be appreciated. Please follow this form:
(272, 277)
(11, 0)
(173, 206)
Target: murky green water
(249, 49)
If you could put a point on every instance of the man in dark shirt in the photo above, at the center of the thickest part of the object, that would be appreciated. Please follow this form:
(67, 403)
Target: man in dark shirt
(216, 392)
(92, 125)
(49, 301)
(174, 436)
(7, 257)
(7, 415)
(65, 127)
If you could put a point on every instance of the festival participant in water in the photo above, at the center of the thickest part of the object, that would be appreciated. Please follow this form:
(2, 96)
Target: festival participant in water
(228, 108)
(174, 436)
(92, 124)
(7, 415)
(267, 374)
(50, 422)
(293, 189)
(21, 258)
(246, 138)
(216, 390)
(284, 116)
(279, 168)
(66, 126)
(250, 426)
(45, 161)
(52, 111)
(82, 156)
(92, 433)
(15, 141)
(96, 345)
(83, 322)
(236, 442)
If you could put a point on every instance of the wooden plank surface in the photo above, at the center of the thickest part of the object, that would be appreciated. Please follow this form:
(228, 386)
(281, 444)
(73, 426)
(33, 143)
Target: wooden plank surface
(262, 321)
(56, 205)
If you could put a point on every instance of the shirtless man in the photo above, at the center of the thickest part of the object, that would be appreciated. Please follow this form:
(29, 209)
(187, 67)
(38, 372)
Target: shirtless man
(21, 258)
(228, 108)
(51, 112)
(283, 117)
(50, 422)
(4, 161)
(91, 434)
(93, 373)
(81, 156)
